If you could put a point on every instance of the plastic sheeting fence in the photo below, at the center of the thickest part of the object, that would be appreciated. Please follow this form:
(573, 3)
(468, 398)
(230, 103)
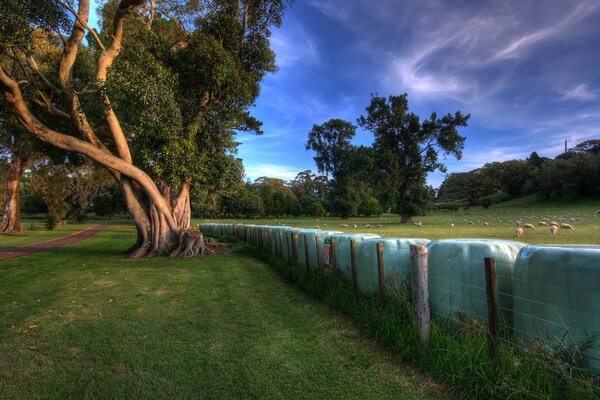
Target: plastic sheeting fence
(550, 293)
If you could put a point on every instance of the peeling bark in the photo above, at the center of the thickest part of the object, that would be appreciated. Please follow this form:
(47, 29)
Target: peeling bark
(11, 221)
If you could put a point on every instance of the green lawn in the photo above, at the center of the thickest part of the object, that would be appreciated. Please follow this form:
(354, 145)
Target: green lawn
(35, 232)
(502, 220)
(82, 322)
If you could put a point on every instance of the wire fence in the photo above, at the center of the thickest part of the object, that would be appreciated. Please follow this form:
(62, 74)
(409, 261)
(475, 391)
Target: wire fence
(542, 296)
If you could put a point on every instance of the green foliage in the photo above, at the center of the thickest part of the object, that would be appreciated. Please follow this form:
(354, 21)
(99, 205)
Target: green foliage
(570, 175)
(370, 207)
(51, 183)
(407, 149)
(318, 210)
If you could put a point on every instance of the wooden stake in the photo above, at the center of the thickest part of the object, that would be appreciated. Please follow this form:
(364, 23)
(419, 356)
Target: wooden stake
(295, 248)
(334, 269)
(380, 273)
(420, 290)
(353, 261)
(319, 261)
(492, 303)
(306, 251)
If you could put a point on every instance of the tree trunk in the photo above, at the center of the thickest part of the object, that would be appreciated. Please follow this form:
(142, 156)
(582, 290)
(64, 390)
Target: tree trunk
(406, 219)
(11, 221)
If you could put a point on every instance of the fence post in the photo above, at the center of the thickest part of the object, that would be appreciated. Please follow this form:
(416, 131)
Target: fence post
(380, 273)
(295, 248)
(420, 290)
(306, 251)
(353, 261)
(319, 261)
(289, 248)
(334, 269)
(492, 303)
(245, 234)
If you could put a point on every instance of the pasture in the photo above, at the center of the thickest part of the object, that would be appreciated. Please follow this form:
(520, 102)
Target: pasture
(470, 223)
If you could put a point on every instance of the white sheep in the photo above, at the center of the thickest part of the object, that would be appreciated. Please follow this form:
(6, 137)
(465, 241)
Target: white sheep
(553, 223)
(368, 226)
(419, 224)
(519, 232)
(528, 226)
(379, 225)
(542, 223)
(486, 223)
(317, 227)
(452, 225)
(567, 226)
(553, 230)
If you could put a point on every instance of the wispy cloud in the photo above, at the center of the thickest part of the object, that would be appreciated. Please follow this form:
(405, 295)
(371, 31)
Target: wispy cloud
(292, 45)
(517, 45)
(580, 92)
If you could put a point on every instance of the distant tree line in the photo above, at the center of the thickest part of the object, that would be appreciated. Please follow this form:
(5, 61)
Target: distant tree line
(570, 175)
(389, 175)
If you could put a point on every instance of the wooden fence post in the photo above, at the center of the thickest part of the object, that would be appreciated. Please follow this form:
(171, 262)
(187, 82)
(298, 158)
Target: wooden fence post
(492, 303)
(380, 273)
(334, 269)
(353, 261)
(295, 248)
(420, 290)
(319, 261)
(306, 251)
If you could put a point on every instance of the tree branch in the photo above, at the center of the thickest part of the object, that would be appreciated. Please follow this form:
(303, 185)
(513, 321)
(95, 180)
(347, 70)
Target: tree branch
(83, 22)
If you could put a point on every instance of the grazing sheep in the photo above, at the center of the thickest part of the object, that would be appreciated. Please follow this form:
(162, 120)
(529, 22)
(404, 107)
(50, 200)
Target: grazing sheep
(567, 226)
(486, 223)
(553, 223)
(368, 226)
(317, 227)
(419, 224)
(519, 232)
(553, 230)
(379, 225)
(354, 226)
(542, 223)
(452, 225)
(528, 226)
(343, 225)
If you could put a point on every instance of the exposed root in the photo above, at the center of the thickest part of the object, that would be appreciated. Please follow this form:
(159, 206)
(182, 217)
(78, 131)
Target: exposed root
(191, 244)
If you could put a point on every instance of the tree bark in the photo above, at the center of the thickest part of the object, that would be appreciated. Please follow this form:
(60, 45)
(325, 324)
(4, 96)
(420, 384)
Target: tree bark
(11, 221)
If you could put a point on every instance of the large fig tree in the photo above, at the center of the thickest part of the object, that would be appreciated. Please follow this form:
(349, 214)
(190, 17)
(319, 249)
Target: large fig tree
(155, 98)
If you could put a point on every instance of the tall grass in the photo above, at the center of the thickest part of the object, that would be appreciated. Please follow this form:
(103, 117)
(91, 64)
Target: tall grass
(457, 353)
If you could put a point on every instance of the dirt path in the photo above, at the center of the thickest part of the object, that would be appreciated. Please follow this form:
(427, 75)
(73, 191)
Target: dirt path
(51, 244)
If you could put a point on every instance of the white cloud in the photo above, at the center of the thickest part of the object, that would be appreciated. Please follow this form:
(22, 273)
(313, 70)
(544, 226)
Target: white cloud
(292, 45)
(518, 45)
(579, 92)
(285, 172)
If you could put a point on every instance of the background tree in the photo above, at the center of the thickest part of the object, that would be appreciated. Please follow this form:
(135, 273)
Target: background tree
(407, 149)
(86, 183)
(51, 183)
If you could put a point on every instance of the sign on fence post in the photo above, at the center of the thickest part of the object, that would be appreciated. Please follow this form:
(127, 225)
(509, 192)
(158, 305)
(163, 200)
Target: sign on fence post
(326, 251)
(334, 268)
(420, 290)
(492, 303)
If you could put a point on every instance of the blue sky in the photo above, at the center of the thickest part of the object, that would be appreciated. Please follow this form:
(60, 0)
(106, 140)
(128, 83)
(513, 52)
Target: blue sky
(528, 72)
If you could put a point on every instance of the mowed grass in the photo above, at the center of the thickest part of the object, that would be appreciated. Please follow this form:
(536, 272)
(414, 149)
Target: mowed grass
(82, 322)
(470, 223)
(35, 233)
